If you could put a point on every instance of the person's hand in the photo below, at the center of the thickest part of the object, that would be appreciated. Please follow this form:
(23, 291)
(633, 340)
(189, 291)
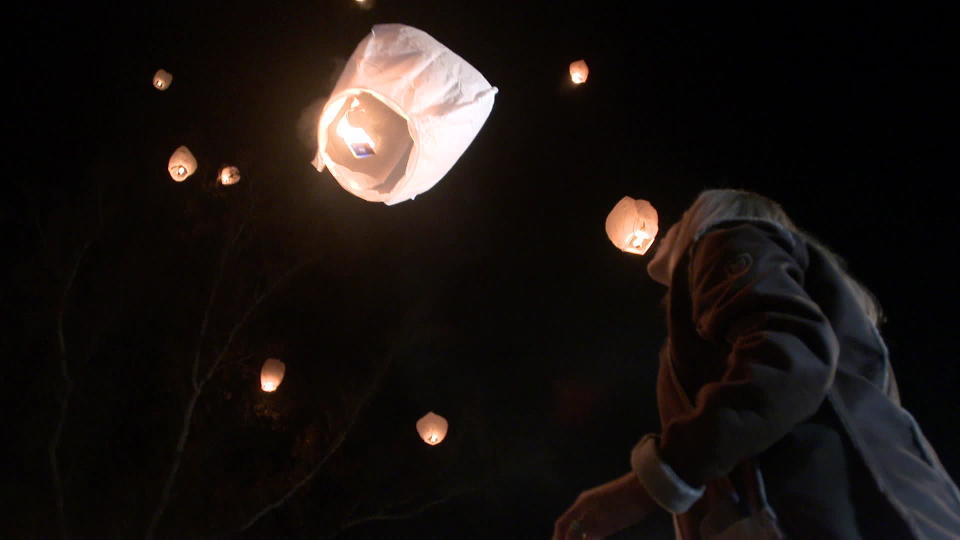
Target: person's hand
(604, 510)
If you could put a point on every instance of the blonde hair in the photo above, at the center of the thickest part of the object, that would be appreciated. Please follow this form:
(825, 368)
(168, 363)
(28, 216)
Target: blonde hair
(714, 205)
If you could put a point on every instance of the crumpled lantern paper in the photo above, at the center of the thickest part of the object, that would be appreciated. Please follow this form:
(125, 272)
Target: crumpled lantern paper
(420, 104)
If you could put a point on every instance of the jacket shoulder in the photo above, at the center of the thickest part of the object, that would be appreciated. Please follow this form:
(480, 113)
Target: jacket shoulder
(735, 226)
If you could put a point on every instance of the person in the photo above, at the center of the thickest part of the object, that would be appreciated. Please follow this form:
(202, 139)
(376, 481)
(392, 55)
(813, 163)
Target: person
(779, 408)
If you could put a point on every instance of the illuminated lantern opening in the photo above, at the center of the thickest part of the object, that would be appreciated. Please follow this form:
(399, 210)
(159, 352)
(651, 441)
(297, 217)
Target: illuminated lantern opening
(229, 175)
(402, 113)
(364, 4)
(162, 80)
(432, 428)
(271, 375)
(579, 72)
(371, 140)
(182, 164)
(632, 225)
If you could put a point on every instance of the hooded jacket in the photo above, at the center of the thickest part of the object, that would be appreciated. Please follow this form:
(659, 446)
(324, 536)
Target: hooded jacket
(776, 389)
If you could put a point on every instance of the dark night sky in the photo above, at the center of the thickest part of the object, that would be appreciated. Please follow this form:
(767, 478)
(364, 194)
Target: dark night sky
(528, 326)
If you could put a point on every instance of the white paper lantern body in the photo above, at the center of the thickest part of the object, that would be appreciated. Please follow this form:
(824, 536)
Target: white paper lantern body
(271, 374)
(162, 80)
(432, 428)
(182, 164)
(418, 103)
(228, 175)
(579, 71)
(632, 225)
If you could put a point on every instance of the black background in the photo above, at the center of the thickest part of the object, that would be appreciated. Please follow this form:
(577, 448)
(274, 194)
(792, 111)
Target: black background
(496, 295)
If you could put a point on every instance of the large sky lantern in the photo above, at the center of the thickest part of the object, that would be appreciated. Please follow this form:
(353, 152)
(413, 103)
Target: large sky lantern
(228, 175)
(632, 225)
(403, 111)
(432, 428)
(162, 80)
(579, 71)
(271, 374)
(181, 164)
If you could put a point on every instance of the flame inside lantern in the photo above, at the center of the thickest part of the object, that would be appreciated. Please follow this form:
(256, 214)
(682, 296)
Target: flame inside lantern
(271, 375)
(229, 175)
(432, 428)
(356, 138)
(162, 79)
(632, 225)
(579, 72)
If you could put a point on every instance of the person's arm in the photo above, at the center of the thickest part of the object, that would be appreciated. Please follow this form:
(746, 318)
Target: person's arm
(746, 284)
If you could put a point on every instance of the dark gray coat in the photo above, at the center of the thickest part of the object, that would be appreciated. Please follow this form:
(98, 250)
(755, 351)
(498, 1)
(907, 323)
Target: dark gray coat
(770, 362)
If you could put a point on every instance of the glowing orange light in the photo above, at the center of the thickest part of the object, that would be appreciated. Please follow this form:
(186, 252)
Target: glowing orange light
(229, 175)
(356, 138)
(579, 72)
(632, 225)
(271, 374)
(162, 79)
(182, 164)
(432, 428)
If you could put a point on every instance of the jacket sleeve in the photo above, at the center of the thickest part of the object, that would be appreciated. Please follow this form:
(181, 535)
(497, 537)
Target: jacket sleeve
(746, 289)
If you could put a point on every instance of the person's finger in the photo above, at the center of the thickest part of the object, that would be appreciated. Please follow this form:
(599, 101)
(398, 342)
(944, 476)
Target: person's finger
(575, 530)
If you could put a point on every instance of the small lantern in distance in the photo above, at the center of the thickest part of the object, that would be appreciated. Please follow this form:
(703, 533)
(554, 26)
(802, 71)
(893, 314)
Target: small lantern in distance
(162, 80)
(632, 225)
(229, 175)
(432, 428)
(182, 164)
(579, 72)
(271, 375)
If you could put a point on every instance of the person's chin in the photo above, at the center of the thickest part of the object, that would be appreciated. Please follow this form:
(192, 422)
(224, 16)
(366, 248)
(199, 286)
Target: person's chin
(658, 272)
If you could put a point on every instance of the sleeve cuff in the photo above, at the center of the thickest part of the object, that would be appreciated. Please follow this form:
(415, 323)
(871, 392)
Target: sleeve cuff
(660, 480)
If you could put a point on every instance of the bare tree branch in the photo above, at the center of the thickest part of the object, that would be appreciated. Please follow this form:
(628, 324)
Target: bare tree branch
(197, 388)
(393, 514)
(251, 309)
(331, 450)
(53, 447)
(204, 322)
(200, 383)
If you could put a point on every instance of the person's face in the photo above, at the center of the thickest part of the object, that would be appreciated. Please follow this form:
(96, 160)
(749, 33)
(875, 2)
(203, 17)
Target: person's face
(659, 267)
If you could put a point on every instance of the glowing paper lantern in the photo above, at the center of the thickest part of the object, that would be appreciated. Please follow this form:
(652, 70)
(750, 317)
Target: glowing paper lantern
(632, 225)
(228, 175)
(271, 375)
(432, 428)
(402, 113)
(579, 72)
(162, 80)
(182, 164)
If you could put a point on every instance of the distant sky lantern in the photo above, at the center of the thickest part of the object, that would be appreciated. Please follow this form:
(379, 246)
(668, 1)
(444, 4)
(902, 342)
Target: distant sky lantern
(271, 374)
(432, 428)
(632, 225)
(182, 164)
(229, 175)
(579, 72)
(162, 80)
(402, 113)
